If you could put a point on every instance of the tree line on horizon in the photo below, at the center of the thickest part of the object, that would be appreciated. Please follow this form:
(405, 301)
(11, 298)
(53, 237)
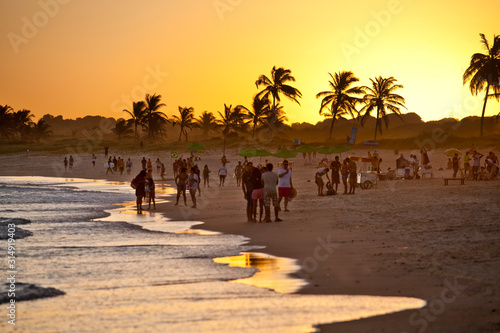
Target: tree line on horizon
(266, 112)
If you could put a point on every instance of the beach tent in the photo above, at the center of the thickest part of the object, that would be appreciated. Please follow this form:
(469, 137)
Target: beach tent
(248, 152)
(285, 153)
(305, 149)
(195, 146)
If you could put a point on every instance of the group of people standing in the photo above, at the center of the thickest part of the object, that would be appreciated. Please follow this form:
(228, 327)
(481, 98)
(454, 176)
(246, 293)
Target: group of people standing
(477, 172)
(347, 169)
(259, 189)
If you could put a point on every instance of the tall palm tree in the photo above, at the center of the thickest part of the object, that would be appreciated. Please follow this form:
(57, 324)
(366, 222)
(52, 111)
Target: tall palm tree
(122, 128)
(276, 86)
(484, 69)
(155, 120)
(6, 120)
(22, 121)
(40, 130)
(275, 120)
(185, 121)
(339, 101)
(227, 122)
(381, 97)
(137, 116)
(261, 110)
(207, 122)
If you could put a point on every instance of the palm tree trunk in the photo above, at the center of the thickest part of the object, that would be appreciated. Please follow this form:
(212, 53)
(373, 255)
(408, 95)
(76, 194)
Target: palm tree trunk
(180, 135)
(376, 125)
(484, 107)
(331, 128)
(253, 130)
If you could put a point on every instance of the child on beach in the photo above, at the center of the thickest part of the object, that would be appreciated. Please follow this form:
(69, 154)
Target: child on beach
(150, 184)
(238, 171)
(180, 181)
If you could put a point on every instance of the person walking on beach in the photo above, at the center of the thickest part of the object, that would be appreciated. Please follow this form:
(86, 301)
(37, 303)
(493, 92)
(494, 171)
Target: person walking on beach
(335, 166)
(158, 165)
(353, 175)
(106, 149)
(150, 185)
(285, 184)
(198, 173)
(193, 185)
(246, 185)
(143, 163)
(466, 164)
(162, 171)
(109, 165)
(71, 162)
(93, 160)
(206, 176)
(238, 171)
(344, 170)
(319, 179)
(65, 163)
(476, 163)
(222, 174)
(270, 180)
(456, 165)
(257, 193)
(181, 181)
(140, 188)
(129, 166)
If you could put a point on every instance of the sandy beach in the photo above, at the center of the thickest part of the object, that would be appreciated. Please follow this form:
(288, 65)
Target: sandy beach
(415, 238)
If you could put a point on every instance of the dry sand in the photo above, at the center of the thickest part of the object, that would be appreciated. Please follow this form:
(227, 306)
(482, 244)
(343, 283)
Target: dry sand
(414, 238)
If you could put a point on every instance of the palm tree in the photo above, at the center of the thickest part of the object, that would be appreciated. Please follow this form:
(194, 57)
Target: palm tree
(6, 120)
(122, 128)
(260, 112)
(137, 116)
(276, 85)
(40, 130)
(381, 97)
(207, 122)
(275, 120)
(155, 120)
(339, 101)
(185, 121)
(484, 69)
(22, 121)
(227, 122)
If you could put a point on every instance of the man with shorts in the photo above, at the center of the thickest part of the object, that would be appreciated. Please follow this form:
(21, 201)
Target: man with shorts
(318, 178)
(284, 184)
(335, 166)
(270, 180)
(222, 174)
(257, 193)
(246, 185)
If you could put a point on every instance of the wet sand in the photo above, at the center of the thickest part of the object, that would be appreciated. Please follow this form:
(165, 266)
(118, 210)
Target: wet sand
(415, 238)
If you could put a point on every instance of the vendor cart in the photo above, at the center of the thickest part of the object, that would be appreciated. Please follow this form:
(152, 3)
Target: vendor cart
(367, 174)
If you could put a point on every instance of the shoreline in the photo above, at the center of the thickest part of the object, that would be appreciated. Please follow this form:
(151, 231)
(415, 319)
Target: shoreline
(386, 253)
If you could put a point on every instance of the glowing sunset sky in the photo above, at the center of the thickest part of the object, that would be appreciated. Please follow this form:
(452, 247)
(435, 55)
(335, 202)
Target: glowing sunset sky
(78, 58)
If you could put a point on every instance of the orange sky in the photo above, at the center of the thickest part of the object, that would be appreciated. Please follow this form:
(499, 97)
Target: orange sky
(78, 58)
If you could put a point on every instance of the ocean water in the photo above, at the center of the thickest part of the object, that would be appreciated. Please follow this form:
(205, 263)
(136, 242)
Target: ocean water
(124, 272)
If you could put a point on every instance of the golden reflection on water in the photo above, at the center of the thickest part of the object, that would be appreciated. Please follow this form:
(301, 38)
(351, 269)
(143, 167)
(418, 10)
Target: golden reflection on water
(273, 272)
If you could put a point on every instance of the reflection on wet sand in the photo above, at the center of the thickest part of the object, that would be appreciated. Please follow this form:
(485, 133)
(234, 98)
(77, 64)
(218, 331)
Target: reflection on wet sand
(273, 272)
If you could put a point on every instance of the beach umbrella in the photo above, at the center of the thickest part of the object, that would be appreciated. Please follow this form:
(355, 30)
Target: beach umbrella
(340, 149)
(248, 152)
(195, 146)
(285, 153)
(326, 150)
(452, 152)
(305, 149)
(263, 152)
